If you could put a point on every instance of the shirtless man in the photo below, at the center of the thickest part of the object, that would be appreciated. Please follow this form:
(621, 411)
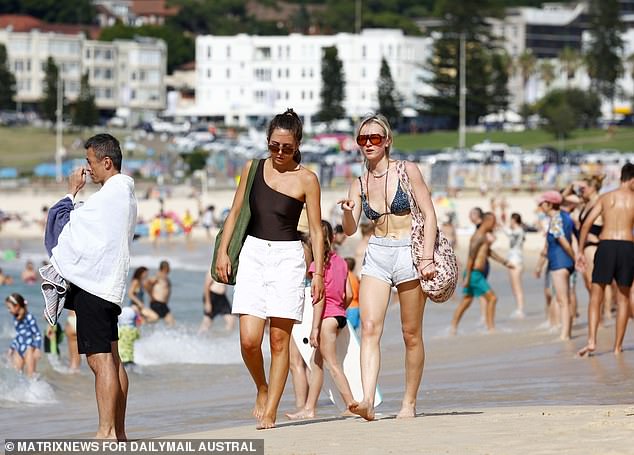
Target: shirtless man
(475, 283)
(614, 259)
(160, 288)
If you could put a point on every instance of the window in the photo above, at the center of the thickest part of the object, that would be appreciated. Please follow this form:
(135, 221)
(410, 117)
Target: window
(208, 73)
(303, 95)
(363, 74)
(279, 73)
(311, 74)
(208, 51)
(287, 96)
(363, 51)
(310, 95)
(303, 73)
(228, 72)
(262, 74)
(87, 53)
(259, 96)
(228, 51)
(288, 51)
(288, 73)
(263, 53)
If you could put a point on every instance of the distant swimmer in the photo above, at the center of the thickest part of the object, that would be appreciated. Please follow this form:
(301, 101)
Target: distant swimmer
(475, 283)
(215, 303)
(29, 276)
(614, 258)
(160, 289)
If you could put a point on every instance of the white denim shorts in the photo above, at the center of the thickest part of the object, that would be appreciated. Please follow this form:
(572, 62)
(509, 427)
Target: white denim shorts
(389, 260)
(270, 279)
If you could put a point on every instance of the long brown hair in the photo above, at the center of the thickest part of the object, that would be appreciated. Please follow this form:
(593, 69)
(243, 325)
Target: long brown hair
(329, 236)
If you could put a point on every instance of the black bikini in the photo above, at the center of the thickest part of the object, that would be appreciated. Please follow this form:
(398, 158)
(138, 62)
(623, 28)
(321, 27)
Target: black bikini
(399, 206)
(595, 229)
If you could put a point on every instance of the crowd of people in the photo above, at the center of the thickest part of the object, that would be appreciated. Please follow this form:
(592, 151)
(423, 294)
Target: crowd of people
(277, 265)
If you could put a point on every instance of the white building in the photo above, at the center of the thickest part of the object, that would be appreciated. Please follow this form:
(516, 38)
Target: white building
(243, 78)
(123, 74)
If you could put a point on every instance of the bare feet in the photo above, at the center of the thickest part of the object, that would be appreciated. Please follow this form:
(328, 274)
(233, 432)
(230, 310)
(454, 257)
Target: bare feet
(618, 351)
(301, 414)
(347, 413)
(260, 402)
(265, 423)
(363, 409)
(587, 350)
(453, 331)
(407, 411)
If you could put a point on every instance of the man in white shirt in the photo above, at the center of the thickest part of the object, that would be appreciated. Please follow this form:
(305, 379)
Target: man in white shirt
(93, 254)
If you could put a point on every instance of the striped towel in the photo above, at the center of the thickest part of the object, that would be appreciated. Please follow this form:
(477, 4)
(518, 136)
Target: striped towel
(54, 290)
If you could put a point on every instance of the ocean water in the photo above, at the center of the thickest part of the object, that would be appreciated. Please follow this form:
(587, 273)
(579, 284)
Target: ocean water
(184, 382)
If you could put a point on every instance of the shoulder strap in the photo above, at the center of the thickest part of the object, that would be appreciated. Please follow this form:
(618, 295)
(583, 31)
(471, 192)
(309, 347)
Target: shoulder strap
(251, 176)
(361, 186)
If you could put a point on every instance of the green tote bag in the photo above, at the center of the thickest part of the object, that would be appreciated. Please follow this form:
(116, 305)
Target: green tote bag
(239, 231)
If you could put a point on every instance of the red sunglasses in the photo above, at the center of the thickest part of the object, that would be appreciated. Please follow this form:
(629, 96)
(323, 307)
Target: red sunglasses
(375, 139)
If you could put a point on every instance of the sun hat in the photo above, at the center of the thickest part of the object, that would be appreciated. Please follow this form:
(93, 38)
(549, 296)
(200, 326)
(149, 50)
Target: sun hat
(554, 197)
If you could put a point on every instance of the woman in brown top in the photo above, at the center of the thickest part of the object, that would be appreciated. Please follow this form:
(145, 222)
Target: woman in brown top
(270, 280)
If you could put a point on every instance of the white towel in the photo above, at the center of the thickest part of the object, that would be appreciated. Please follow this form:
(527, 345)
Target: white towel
(93, 249)
(54, 289)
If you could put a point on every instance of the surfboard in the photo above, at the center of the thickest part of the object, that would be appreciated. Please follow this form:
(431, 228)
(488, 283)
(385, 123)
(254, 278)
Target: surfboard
(348, 354)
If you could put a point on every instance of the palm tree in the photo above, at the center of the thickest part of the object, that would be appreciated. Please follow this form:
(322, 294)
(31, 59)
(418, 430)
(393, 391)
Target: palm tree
(570, 61)
(527, 63)
(547, 73)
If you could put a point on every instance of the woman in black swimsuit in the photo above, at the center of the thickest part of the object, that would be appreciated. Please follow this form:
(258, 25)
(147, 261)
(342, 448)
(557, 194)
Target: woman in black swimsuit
(388, 259)
(589, 189)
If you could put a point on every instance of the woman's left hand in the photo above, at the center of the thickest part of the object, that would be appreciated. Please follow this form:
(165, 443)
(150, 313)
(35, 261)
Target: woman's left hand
(427, 269)
(317, 288)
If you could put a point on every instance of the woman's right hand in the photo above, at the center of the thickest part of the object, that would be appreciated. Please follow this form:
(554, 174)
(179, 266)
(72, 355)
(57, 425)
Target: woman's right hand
(223, 267)
(346, 204)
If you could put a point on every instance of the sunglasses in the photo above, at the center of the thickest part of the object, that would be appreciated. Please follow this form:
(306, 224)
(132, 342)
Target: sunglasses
(375, 139)
(276, 148)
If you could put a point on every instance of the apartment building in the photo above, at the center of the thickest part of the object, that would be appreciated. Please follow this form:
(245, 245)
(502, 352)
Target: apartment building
(122, 73)
(243, 78)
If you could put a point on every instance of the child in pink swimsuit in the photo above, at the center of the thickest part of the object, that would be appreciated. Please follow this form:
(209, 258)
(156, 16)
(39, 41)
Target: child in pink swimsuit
(329, 317)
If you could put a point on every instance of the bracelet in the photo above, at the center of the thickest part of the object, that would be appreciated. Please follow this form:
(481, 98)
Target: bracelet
(428, 259)
(317, 273)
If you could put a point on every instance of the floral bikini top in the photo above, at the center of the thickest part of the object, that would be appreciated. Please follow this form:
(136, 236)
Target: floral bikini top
(399, 206)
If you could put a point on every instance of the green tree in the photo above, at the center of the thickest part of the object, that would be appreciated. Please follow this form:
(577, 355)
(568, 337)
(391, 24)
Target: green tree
(468, 18)
(389, 99)
(606, 46)
(7, 81)
(51, 79)
(570, 61)
(567, 109)
(527, 63)
(180, 47)
(499, 93)
(62, 11)
(85, 111)
(332, 86)
(547, 73)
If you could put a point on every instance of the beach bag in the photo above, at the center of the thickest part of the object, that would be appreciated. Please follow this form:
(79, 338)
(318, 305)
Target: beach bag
(239, 232)
(441, 287)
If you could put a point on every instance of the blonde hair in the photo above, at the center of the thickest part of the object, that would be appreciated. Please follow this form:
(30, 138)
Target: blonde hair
(380, 120)
(595, 181)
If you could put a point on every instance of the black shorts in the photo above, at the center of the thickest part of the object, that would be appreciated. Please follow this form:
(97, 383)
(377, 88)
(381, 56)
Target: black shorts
(614, 260)
(96, 321)
(160, 308)
(219, 305)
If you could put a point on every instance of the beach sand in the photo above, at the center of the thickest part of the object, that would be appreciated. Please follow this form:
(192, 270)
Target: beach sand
(531, 430)
(517, 391)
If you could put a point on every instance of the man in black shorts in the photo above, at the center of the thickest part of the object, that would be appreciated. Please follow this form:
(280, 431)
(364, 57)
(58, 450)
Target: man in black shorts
(93, 254)
(614, 259)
